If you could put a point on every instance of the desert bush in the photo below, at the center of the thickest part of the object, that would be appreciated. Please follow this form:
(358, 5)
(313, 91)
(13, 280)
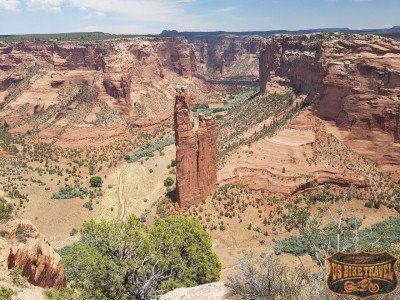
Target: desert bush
(6, 293)
(5, 210)
(173, 162)
(200, 107)
(168, 181)
(129, 260)
(88, 205)
(150, 148)
(17, 278)
(379, 237)
(65, 293)
(96, 181)
(69, 192)
(264, 277)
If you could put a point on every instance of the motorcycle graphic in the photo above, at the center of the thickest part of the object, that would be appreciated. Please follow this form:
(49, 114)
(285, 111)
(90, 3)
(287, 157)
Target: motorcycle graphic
(362, 286)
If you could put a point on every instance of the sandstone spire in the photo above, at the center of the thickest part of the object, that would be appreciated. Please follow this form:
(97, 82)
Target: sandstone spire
(207, 155)
(196, 171)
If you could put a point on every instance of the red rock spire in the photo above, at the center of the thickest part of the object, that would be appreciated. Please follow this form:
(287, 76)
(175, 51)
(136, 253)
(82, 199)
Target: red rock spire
(196, 171)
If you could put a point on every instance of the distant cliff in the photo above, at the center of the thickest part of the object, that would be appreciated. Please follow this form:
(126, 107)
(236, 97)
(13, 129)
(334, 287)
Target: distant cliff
(229, 55)
(353, 80)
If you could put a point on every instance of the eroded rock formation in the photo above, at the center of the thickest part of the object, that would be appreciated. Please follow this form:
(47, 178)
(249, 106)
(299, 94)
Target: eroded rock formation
(353, 80)
(121, 71)
(28, 250)
(229, 55)
(196, 171)
(207, 155)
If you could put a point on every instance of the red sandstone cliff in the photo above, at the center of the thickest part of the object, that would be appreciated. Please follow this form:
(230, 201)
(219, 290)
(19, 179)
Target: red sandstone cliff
(28, 250)
(126, 74)
(230, 55)
(196, 171)
(354, 81)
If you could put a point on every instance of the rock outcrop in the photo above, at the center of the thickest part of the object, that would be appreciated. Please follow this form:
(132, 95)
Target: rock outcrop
(353, 80)
(196, 171)
(210, 291)
(207, 155)
(27, 249)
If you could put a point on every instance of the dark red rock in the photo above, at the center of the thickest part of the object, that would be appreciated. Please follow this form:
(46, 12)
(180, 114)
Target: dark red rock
(196, 171)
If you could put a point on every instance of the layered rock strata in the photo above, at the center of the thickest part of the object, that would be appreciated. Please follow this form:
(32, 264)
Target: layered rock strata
(230, 55)
(196, 170)
(121, 70)
(28, 250)
(353, 80)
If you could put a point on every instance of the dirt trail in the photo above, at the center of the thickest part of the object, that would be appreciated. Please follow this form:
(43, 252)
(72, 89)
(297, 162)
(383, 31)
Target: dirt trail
(139, 187)
(121, 210)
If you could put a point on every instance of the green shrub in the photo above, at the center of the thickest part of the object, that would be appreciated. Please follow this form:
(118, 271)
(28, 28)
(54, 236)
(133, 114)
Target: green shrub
(175, 252)
(5, 210)
(4, 233)
(173, 163)
(150, 148)
(69, 192)
(16, 275)
(6, 293)
(65, 293)
(88, 205)
(369, 204)
(168, 181)
(96, 181)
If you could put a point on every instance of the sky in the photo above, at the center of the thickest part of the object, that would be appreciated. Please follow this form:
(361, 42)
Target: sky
(153, 16)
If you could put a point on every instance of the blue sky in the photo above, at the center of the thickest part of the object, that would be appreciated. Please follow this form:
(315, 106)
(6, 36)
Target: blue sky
(152, 16)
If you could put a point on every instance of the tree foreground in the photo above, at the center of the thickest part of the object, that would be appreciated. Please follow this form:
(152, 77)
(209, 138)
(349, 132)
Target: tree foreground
(130, 260)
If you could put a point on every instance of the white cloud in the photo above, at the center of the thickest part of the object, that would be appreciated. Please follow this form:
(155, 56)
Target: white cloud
(227, 9)
(48, 5)
(9, 5)
(167, 11)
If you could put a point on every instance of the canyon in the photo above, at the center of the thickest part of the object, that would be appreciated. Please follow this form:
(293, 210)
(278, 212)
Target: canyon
(326, 112)
(353, 81)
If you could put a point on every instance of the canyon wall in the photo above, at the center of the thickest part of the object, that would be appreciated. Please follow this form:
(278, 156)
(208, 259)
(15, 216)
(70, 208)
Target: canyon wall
(125, 73)
(196, 170)
(353, 80)
(229, 55)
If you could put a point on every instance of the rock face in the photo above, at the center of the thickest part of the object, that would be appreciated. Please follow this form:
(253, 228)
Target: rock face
(229, 55)
(28, 250)
(34, 77)
(354, 80)
(211, 291)
(196, 171)
(187, 188)
(207, 155)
